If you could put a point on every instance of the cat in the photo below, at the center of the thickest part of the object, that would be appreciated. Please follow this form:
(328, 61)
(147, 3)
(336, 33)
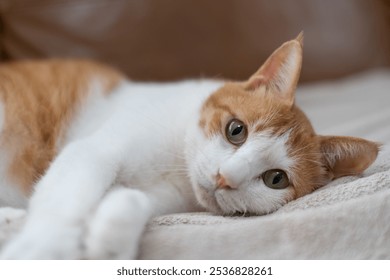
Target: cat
(94, 156)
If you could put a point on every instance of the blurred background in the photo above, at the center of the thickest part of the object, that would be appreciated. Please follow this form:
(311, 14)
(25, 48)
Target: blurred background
(170, 40)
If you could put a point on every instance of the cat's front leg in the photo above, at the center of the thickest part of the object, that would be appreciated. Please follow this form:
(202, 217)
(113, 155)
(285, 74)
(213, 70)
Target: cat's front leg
(115, 230)
(63, 200)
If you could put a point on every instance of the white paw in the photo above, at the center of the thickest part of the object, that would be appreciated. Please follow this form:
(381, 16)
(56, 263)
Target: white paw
(116, 228)
(45, 243)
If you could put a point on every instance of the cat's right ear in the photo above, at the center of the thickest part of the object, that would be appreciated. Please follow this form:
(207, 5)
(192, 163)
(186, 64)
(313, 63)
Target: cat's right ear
(280, 73)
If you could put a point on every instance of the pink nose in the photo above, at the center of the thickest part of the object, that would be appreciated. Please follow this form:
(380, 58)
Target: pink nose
(222, 183)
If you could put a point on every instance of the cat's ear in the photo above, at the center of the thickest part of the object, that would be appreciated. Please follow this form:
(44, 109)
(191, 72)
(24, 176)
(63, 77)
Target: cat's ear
(280, 73)
(345, 156)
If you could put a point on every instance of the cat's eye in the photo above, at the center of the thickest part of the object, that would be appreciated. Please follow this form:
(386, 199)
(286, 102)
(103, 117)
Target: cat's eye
(236, 132)
(276, 179)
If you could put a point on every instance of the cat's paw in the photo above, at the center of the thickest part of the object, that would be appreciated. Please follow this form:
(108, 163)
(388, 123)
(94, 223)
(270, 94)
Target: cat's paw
(44, 244)
(116, 228)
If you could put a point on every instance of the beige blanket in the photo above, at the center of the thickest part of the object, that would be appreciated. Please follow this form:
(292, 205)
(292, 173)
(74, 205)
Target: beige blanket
(347, 219)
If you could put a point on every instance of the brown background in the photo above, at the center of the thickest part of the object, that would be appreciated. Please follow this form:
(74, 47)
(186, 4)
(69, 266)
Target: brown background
(174, 39)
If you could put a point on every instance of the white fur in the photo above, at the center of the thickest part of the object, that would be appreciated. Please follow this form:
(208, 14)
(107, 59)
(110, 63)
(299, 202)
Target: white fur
(11, 219)
(90, 114)
(144, 137)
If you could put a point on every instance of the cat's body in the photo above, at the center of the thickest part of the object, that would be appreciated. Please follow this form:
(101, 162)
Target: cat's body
(151, 107)
(121, 152)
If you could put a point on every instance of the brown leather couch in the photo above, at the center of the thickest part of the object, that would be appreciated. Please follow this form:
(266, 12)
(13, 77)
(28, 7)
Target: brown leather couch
(168, 40)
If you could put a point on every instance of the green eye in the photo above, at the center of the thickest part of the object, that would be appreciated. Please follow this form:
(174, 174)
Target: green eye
(236, 132)
(276, 179)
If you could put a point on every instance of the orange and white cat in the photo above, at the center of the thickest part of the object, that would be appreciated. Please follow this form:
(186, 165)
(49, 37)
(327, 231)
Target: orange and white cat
(95, 156)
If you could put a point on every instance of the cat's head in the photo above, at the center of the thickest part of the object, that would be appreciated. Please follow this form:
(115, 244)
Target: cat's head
(253, 150)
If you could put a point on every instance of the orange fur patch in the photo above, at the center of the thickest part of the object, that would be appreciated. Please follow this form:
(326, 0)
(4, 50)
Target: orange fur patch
(40, 98)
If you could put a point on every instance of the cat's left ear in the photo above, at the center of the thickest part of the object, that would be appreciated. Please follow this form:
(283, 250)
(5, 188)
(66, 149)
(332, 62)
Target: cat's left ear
(280, 73)
(345, 156)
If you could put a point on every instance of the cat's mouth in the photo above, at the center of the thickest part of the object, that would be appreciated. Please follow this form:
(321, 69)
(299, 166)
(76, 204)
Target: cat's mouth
(225, 202)
(206, 197)
(229, 202)
(217, 200)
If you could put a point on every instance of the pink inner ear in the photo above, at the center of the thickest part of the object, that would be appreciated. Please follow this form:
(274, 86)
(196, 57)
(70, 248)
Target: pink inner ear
(264, 75)
(255, 82)
(280, 73)
(270, 69)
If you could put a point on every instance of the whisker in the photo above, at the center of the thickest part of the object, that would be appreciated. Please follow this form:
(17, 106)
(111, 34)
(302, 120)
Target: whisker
(176, 155)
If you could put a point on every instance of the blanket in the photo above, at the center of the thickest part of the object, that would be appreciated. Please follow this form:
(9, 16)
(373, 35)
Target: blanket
(346, 219)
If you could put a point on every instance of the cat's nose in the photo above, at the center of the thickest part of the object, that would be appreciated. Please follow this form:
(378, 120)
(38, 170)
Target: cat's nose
(222, 183)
